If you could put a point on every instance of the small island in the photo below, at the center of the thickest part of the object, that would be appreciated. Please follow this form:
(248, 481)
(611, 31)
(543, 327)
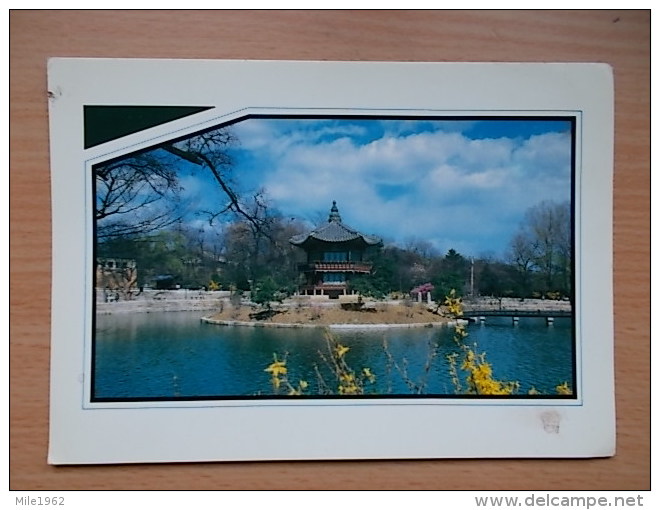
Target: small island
(353, 313)
(337, 259)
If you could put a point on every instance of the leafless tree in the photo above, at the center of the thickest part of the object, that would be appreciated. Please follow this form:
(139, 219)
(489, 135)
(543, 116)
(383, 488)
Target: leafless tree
(135, 194)
(262, 247)
(141, 193)
(543, 243)
(522, 255)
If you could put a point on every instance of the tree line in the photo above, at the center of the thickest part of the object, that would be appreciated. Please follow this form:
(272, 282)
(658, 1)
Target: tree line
(239, 256)
(538, 263)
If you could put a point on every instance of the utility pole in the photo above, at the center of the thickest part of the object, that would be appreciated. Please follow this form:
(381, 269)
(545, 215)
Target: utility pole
(472, 277)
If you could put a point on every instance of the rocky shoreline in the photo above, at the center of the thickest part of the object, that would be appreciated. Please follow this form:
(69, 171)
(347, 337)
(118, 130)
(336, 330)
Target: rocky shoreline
(335, 326)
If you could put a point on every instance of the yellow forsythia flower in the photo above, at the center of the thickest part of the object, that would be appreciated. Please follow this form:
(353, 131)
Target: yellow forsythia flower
(454, 304)
(564, 389)
(276, 368)
(368, 374)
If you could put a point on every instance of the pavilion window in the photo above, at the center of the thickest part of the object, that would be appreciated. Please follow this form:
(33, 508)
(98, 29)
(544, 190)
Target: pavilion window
(334, 277)
(335, 256)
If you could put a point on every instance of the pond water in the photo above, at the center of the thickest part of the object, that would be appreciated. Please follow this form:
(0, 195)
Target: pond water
(175, 355)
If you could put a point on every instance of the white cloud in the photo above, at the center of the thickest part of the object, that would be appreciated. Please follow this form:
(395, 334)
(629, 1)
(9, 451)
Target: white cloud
(438, 185)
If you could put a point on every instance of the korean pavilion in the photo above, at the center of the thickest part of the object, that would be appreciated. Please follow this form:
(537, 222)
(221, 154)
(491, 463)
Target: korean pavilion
(335, 253)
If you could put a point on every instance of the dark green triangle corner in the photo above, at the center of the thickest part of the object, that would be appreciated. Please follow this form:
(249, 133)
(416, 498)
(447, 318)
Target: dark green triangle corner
(106, 123)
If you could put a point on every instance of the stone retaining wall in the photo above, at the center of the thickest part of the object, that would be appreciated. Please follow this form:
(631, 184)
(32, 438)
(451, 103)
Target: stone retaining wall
(166, 301)
(531, 305)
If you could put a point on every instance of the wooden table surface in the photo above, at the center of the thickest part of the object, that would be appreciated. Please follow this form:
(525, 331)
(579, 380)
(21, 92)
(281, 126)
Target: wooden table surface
(620, 38)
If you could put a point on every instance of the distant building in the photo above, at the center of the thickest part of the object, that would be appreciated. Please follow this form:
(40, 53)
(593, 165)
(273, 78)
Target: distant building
(335, 254)
(115, 278)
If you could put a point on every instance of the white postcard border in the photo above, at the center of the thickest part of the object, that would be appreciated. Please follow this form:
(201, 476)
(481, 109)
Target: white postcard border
(246, 430)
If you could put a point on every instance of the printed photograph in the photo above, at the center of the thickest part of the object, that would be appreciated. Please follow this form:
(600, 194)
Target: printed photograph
(352, 257)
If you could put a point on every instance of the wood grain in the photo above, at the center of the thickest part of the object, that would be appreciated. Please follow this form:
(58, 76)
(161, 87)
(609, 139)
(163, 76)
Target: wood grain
(620, 38)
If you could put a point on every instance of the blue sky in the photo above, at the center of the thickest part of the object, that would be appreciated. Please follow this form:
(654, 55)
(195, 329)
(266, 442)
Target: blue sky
(462, 184)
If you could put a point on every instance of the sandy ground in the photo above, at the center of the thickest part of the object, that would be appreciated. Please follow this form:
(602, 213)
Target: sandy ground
(324, 315)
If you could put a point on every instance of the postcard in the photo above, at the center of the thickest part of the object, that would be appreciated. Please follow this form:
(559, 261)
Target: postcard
(278, 260)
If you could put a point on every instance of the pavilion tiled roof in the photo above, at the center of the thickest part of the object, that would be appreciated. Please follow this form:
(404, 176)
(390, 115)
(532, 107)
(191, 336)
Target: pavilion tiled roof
(334, 231)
